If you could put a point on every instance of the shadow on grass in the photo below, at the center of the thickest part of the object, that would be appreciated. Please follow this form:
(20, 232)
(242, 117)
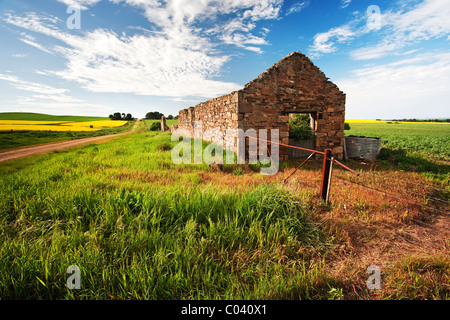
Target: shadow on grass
(412, 162)
(390, 159)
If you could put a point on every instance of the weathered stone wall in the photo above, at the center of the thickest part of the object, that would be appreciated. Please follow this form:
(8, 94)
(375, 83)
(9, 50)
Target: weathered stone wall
(293, 85)
(216, 116)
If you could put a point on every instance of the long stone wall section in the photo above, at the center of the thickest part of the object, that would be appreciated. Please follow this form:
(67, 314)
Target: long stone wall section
(293, 85)
(217, 116)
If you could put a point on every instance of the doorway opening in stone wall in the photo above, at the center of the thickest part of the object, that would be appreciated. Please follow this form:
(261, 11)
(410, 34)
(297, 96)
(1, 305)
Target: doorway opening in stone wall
(302, 129)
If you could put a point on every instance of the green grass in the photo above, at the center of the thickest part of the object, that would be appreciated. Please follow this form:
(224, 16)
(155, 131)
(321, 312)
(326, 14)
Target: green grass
(419, 147)
(432, 140)
(11, 140)
(168, 122)
(140, 227)
(45, 117)
(417, 277)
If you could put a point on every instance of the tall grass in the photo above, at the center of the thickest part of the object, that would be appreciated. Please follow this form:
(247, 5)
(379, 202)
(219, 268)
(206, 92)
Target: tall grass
(107, 209)
(419, 277)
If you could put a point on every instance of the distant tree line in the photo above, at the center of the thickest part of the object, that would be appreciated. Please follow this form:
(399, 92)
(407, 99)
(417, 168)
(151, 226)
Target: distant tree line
(121, 116)
(155, 115)
(419, 120)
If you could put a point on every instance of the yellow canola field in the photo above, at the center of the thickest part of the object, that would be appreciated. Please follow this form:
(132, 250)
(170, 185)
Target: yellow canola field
(26, 122)
(21, 125)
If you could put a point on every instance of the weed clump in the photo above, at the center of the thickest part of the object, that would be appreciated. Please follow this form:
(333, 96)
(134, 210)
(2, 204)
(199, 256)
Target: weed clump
(164, 147)
(155, 126)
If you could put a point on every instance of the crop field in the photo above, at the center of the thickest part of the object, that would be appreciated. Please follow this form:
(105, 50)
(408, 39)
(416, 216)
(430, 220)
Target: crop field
(23, 125)
(431, 140)
(24, 129)
(140, 227)
(29, 116)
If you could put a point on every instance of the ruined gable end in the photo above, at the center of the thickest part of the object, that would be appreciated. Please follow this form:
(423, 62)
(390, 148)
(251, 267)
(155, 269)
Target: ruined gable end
(292, 85)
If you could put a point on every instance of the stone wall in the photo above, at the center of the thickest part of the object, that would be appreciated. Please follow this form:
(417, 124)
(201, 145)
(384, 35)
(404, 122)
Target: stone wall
(293, 85)
(217, 116)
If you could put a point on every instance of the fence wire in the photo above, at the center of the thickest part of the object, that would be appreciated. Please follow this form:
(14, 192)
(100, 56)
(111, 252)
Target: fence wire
(407, 193)
(406, 181)
(396, 196)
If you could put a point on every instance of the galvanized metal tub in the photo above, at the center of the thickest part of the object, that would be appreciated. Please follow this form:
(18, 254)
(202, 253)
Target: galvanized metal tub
(366, 148)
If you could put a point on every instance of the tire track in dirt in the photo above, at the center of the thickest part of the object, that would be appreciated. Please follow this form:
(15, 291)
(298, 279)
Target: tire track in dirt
(48, 147)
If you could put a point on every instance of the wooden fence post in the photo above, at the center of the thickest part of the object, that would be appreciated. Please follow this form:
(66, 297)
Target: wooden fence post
(326, 172)
(329, 179)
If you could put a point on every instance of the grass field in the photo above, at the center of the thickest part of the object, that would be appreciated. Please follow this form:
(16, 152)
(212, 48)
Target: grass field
(171, 122)
(422, 147)
(24, 129)
(140, 227)
(429, 139)
(28, 116)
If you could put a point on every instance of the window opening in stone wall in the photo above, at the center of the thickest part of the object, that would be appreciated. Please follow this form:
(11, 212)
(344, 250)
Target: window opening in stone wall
(301, 134)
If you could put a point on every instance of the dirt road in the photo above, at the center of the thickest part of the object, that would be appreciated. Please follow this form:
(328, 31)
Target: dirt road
(44, 148)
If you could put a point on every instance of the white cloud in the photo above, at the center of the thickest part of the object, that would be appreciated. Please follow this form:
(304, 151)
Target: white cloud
(411, 87)
(30, 40)
(31, 86)
(397, 29)
(374, 52)
(238, 34)
(298, 7)
(50, 99)
(178, 58)
(325, 42)
(345, 3)
(428, 20)
(82, 4)
(183, 15)
(20, 55)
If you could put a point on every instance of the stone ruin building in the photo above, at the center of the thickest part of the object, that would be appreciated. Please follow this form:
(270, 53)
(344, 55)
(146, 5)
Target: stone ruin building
(293, 85)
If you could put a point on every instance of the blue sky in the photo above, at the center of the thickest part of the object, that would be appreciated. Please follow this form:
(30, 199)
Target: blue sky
(391, 58)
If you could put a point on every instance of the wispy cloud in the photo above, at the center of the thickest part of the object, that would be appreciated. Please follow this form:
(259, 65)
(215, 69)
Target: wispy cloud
(20, 55)
(326, 42)
(31, 86)
(82, 4)
(180, 58)
(345, 3)
(428, 20)
(400, 88)
(298, 7)
(31, 41)
(397, 29)
(50, 99)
